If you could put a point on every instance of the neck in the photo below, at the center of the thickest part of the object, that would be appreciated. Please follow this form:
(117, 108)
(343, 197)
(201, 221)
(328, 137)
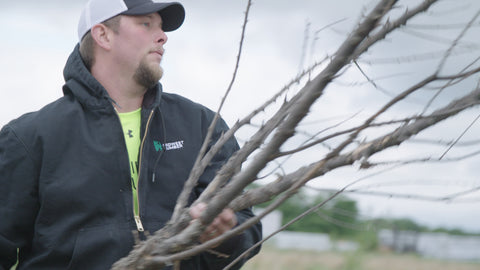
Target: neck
(127, 94)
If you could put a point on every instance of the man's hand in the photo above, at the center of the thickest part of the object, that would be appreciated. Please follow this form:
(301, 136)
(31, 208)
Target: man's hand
(225, 221)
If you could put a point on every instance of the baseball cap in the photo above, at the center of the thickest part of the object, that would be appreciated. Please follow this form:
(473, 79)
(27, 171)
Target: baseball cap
(98, 11)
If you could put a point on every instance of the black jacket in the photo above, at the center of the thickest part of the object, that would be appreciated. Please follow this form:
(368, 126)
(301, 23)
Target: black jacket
(65, 187)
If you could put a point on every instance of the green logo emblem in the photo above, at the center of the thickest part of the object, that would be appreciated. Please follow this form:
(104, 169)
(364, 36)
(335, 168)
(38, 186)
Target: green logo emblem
(158, 145)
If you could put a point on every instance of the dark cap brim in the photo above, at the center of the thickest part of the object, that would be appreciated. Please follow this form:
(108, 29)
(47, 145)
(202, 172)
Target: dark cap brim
(173, 14)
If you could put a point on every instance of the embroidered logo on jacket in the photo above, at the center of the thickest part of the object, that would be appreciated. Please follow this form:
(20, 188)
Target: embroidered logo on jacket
(168, 146)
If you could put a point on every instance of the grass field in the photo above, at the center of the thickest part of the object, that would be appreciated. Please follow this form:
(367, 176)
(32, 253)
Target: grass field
(272, 259)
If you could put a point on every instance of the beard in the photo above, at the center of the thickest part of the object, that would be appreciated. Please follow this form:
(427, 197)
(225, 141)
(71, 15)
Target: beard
(146, 75)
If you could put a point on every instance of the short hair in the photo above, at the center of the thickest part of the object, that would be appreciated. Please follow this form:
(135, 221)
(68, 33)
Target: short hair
(87, 44)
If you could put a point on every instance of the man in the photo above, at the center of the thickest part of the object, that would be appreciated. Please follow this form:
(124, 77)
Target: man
(112, 155)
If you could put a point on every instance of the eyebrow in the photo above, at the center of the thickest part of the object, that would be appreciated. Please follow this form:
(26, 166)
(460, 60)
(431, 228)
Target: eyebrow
(143, 16)
(149, 16)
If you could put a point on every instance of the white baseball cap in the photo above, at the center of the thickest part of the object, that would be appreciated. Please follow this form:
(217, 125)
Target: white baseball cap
(98, 11)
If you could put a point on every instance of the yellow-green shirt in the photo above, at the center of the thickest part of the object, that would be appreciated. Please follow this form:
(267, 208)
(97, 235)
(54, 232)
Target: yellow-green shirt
(131, 130)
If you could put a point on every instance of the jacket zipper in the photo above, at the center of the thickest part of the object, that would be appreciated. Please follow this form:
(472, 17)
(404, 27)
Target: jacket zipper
(136, 212)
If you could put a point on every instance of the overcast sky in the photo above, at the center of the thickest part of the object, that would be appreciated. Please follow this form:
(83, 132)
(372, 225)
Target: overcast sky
(38, 36)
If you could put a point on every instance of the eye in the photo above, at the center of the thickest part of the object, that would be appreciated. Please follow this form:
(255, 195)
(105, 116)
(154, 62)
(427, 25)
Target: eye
(146, 24)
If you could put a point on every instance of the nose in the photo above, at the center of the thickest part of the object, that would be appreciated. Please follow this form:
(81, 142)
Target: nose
(161, 37)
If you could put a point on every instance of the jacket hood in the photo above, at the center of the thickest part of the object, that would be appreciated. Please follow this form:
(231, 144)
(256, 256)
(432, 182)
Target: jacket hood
(81, 84)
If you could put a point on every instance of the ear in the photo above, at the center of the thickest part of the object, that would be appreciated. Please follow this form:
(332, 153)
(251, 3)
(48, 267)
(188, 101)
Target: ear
(102, 36)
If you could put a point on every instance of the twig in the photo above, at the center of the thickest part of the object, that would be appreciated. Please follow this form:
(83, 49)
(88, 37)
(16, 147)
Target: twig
(456, 42)
(459, 137)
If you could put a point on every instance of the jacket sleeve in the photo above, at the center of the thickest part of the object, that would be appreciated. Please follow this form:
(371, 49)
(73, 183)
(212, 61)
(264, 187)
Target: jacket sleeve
(18, 197)
(236, 245)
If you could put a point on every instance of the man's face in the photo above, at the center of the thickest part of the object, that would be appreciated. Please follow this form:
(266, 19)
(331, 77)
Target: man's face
(138, 47)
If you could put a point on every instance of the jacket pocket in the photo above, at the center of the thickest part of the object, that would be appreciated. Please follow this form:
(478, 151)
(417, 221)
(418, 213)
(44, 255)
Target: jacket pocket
(100, 247)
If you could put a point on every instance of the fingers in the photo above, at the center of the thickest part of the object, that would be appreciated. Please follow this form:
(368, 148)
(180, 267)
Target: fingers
(225, 221)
